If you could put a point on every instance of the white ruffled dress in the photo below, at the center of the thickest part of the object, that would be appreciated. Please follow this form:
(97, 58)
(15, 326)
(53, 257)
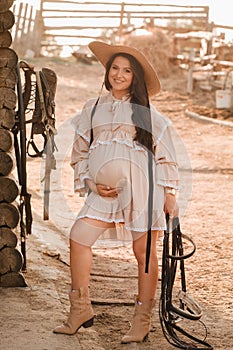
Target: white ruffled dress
(114, 159)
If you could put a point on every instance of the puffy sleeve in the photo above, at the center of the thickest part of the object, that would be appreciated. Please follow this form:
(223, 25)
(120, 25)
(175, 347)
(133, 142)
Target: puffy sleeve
(80, 148)
(165, 154)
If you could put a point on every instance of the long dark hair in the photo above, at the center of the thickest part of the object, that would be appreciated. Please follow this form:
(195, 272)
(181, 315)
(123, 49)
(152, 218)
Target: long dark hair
(141, 116)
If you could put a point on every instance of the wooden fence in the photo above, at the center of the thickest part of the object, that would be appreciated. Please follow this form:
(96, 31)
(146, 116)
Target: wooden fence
(73, 23)
(28, 29)
(76, 22)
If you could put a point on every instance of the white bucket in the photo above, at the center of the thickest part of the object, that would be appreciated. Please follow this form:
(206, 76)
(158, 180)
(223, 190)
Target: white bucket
(223, 98)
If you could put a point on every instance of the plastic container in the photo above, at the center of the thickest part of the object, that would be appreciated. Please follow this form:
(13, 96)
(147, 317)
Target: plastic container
(223, 98)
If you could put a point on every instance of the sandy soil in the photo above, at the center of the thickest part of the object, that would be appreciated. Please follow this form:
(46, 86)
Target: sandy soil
(28, 315)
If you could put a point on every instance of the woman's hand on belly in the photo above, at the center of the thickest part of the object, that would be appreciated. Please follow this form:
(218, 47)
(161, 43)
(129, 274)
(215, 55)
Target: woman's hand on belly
(107, 191)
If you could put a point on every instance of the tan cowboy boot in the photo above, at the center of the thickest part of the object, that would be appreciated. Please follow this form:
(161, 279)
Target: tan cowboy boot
(141, 324)
(81, 312)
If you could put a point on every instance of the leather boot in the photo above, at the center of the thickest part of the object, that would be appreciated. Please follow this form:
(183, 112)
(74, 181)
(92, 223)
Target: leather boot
(141, 324)
(81, 312)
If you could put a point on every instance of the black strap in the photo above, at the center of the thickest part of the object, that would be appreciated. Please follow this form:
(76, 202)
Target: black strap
(92, 115)
(38, 153)
(91, 128)
(25, 205)
(150, 208)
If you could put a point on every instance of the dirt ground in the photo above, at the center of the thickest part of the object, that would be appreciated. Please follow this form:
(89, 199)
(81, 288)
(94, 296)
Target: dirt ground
(29, 314)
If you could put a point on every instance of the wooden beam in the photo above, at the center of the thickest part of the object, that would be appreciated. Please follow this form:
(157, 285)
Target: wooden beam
(121, 19)
(137, 15)
(119, 3)
(223, 63)
(85, 12)
(46, 28)
(222, 26)
(46, 43)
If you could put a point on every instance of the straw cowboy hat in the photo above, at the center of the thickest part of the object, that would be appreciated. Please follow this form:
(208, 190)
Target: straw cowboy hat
(104, 52)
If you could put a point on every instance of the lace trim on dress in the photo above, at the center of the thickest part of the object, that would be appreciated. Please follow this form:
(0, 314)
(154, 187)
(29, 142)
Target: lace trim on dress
(80, 133)
(145, 229)
(137, 229)
(123, 142)
(169, 184)
(85, 177)
(99, 218)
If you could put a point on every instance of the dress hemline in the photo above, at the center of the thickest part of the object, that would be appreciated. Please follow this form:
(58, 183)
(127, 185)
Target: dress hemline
(119, 221)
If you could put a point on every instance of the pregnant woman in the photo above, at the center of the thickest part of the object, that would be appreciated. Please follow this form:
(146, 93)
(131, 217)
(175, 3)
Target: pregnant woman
(116, 137)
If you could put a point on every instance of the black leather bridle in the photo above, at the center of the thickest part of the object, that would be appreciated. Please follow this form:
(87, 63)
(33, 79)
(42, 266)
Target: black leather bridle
(188, 308)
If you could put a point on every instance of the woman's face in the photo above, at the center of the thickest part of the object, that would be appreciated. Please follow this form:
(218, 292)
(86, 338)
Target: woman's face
(120, 76)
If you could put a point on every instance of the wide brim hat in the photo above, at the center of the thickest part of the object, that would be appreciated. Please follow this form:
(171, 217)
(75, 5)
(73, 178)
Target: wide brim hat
(104, 52)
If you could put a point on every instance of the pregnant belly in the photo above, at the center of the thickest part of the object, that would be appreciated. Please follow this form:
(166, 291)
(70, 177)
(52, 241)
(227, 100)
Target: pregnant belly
(110, 164)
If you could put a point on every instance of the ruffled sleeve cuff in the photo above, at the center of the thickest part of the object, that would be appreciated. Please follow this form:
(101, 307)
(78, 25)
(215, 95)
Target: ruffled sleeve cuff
(80, 188)
(80, 151)
(167, 175)
(81, 173)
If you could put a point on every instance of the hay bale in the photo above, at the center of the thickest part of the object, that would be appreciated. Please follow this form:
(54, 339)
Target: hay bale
(157, 47)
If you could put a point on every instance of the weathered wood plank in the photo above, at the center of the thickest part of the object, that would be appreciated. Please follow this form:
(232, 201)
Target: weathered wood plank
(109, 13)
(119, 3)
(222, 26)
(23, 25)
(37, 33)
(223, 63)
(47, 28)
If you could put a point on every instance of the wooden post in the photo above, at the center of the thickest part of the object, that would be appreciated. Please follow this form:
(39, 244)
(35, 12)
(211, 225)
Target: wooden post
(11, 260)
(190, 80)
(37, 33)
(121, 20)
(190, 72)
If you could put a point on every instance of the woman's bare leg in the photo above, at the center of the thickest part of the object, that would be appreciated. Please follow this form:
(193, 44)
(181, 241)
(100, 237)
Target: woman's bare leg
(80, 265)
(147, 282)
(83, 235)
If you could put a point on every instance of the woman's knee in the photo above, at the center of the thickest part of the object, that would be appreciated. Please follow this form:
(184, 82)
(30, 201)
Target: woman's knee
(74, 245)
(78, 252)
(139, 247)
